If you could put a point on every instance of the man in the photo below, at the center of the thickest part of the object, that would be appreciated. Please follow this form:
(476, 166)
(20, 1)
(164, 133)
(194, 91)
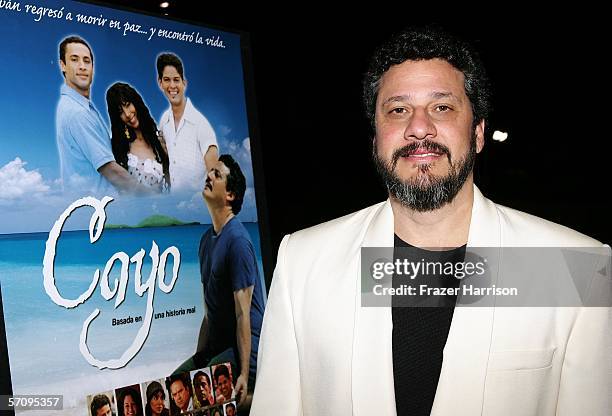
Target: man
(232, 289)
(180, 391)
(426, 96)
(202, 389)
(230, 409)
(223, 383)
(86, 159)
(191, 141)
(100, 406)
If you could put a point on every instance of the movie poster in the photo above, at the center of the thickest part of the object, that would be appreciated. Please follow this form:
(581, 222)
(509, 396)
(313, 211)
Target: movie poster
(101, 286)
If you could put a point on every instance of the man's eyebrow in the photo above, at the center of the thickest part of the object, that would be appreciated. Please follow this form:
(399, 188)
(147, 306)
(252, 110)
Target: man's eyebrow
(436, 95)
(444, 94)
(397, 98)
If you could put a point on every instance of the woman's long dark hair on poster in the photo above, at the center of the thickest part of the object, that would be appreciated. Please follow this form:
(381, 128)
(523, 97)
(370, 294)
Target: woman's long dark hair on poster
(118, 95)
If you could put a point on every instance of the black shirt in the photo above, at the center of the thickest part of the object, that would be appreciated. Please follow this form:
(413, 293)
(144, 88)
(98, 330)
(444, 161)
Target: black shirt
(420, 332)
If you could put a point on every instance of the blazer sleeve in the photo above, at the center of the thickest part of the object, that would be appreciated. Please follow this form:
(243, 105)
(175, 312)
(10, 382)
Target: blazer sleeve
(586, 377)
(277, 389)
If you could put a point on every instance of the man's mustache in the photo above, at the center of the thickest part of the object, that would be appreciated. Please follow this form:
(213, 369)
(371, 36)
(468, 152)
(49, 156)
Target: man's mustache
(426, 145)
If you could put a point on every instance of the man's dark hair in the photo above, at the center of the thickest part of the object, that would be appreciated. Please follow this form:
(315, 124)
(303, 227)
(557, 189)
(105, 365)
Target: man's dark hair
(230, 405)
(203, 374)
(183, 378)
(72, 39)
(221, 370)
(236, 182)
(98, 402)
(418, 44)
(169, 59)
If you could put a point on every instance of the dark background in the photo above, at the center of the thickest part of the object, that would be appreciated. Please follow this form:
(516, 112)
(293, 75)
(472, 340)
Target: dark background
(550, 87)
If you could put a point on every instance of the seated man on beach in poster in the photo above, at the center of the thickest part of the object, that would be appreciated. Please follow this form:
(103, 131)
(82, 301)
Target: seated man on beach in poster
(192, 144)
(86, 159)
(233, 296)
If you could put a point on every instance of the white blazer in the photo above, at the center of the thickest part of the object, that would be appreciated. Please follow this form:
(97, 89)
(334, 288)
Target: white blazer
(321, 353)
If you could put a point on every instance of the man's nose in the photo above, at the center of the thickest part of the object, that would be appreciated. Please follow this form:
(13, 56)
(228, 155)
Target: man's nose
(420, 126)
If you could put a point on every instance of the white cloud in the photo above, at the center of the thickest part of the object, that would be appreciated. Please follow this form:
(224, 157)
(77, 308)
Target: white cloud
(246, 143)
(224, 130)
(16, 181)
(232, 147)
(195, 203)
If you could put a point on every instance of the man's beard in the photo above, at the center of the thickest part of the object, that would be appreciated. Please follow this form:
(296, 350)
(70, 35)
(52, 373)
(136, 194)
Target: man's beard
(425, 192)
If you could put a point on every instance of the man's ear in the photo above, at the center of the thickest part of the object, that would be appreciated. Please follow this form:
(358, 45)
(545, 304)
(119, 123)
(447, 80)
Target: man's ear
(480, 135)
(229, 196)
(62, 67)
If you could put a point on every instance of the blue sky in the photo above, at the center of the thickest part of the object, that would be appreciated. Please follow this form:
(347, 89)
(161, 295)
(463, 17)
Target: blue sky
(29, 164)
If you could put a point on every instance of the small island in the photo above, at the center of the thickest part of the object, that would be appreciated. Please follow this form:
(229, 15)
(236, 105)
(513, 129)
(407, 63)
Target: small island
(153, 221)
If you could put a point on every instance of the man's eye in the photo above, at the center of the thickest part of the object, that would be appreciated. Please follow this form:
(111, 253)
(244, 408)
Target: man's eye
(443, 108)
(398, 110)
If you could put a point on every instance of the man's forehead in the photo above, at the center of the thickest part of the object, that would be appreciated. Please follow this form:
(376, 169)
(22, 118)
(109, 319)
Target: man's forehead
(177, 384)
(221, 168)
(75, 48)
(433, 77)
(103, 410)
(170, 71)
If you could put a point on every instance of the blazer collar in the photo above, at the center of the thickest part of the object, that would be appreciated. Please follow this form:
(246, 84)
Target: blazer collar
(484, 226)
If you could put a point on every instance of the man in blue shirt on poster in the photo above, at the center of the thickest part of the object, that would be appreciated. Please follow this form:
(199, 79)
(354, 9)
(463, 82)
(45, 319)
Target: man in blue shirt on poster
(86, 159)
(233, 295)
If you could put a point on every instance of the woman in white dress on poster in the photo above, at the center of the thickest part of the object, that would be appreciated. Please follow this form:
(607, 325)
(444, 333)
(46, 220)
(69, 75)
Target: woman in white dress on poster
(137, 144)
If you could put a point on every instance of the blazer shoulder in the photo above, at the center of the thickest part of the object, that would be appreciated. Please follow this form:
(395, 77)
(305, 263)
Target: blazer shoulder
(521, 228)
(331, 234)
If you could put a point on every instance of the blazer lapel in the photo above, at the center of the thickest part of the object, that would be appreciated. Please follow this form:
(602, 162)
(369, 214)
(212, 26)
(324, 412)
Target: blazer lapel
(462, 379)
(372, 363)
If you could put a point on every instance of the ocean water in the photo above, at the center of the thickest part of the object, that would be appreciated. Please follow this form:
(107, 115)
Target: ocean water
(43, 337)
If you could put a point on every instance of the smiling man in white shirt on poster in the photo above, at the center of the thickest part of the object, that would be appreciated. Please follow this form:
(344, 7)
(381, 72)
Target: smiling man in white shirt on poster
(191, 140)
